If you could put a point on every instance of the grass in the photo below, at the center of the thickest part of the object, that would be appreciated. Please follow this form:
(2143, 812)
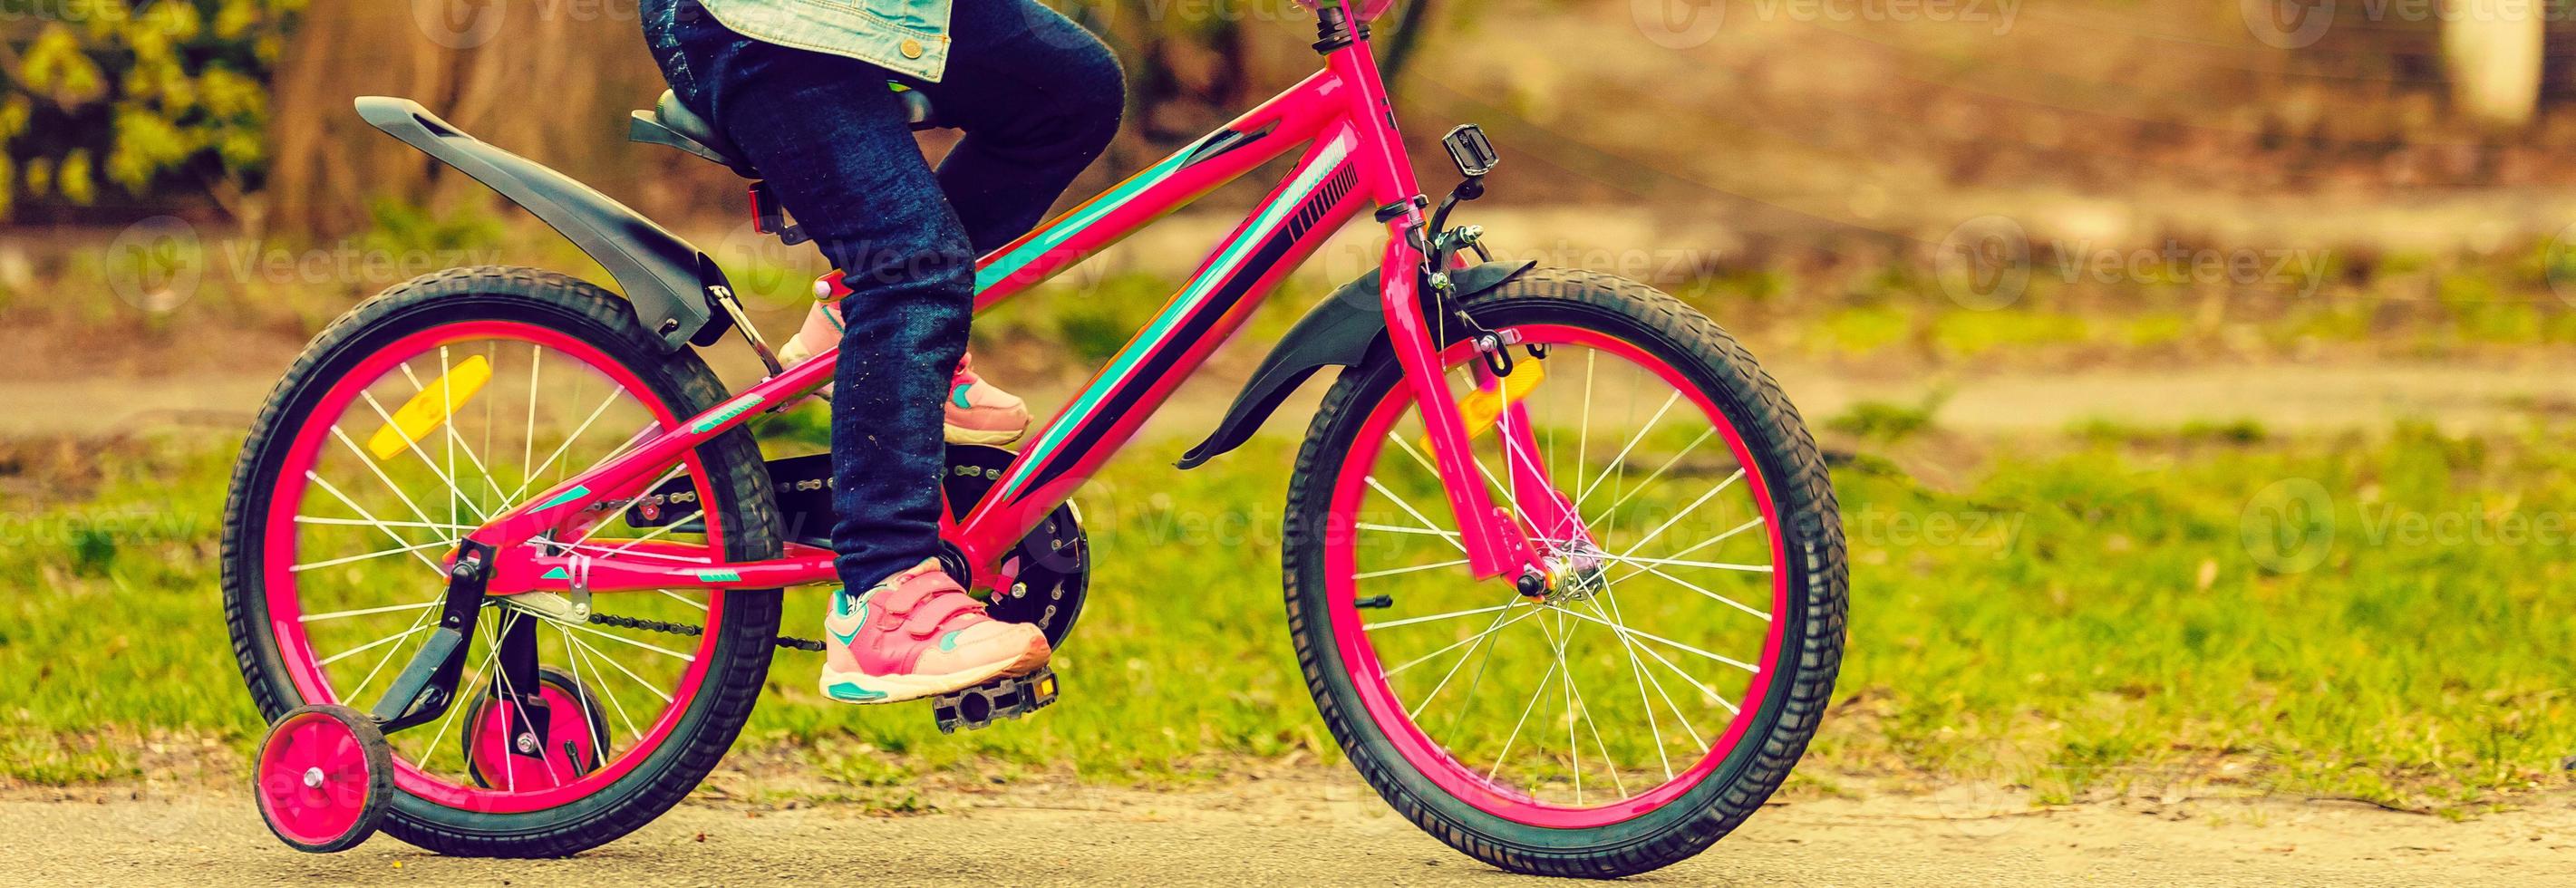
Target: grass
(2374, 617)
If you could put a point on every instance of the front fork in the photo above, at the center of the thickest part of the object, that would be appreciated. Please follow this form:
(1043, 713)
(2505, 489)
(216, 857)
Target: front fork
(1498, 539)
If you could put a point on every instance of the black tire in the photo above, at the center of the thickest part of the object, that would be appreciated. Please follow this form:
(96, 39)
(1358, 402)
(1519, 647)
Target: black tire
(1811, 650)
(739, 484)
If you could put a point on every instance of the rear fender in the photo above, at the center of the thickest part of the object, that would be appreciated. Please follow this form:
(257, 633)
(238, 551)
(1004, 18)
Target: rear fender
(666, 279)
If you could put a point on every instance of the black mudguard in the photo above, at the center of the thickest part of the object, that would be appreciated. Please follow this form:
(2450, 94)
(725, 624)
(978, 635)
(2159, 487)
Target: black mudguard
(1341, 331)
(665, 278)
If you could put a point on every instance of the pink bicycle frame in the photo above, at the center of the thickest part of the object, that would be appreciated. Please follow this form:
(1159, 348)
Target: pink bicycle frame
(1353, 159)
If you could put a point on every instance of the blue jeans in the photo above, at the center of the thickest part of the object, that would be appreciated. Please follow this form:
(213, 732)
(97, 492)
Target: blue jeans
(1037, 97)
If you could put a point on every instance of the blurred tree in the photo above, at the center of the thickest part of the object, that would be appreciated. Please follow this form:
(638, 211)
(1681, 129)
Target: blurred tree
(548, 80)
(138, 95)
(2492, 49)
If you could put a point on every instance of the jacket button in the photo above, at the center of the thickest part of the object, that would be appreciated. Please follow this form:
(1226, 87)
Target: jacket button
(911, 48)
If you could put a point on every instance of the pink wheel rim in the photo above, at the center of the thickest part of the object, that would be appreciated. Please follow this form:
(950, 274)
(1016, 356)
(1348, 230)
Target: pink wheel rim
(314, 778)
(1380, 700)
(285, 605)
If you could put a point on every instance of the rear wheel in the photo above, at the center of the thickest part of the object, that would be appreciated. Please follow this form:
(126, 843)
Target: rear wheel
(1677, 668)
(406, 424)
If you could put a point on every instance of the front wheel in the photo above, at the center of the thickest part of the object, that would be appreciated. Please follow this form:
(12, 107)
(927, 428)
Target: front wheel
(1677, 667)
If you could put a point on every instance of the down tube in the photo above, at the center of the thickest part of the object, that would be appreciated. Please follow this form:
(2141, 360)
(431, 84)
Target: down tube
(1314, 201)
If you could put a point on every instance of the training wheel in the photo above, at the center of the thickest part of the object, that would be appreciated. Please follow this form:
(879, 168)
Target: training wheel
(576, 732)
(323, 777)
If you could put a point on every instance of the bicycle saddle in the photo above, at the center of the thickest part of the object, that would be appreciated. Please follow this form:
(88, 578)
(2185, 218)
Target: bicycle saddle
(670, 123)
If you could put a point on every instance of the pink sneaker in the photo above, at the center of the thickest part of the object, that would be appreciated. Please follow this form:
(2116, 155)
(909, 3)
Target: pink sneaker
(976, 411)
(917, 634)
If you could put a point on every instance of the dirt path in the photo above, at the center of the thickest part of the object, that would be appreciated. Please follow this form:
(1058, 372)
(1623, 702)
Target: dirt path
(1319, 827)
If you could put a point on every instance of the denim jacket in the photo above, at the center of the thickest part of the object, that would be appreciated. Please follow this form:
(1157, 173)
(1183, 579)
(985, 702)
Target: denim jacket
(908, 37)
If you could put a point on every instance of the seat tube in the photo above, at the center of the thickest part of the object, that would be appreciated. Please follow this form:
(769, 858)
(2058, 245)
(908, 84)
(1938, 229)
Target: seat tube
(1387, 175)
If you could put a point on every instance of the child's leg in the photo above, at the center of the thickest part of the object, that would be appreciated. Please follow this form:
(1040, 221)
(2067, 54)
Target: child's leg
(1038, 98)
(833, 144)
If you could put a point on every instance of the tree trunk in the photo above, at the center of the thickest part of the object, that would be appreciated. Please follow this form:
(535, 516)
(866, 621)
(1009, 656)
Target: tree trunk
(2492, 50)
(547, 80)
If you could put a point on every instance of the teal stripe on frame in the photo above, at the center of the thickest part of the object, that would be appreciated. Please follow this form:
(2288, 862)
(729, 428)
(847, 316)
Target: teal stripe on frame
(1227, 261)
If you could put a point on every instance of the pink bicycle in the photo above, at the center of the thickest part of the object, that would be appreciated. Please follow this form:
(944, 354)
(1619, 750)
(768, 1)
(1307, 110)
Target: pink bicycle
(502, 564)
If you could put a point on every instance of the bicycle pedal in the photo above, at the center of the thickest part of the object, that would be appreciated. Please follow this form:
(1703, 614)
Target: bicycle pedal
(980, 706)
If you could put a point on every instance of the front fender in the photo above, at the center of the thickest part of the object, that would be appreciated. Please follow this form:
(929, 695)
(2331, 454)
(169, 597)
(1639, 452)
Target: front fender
(1339, 331)
(665, 278)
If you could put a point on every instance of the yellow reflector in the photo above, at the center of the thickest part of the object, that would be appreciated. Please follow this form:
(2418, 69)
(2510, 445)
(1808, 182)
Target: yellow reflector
(1481, 408)
(425, 411)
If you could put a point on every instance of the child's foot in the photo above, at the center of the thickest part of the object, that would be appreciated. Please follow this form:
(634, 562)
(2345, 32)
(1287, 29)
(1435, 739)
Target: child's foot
(975, 411)
(917, 634)
(978, 413)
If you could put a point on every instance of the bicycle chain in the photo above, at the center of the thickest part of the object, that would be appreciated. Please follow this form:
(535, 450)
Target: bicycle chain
(785, 641)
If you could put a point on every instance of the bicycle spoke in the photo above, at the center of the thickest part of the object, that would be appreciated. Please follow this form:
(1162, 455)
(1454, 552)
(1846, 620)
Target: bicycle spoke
(576, 649)
(362, 522)
(1721, 599)
(1447, 616)
(1754, 522)
(380, 476)
(1649, 636)
(370, 518)
(357, 695)
(612, 662)
(1649, 480)
(1410, 510)
(1506, 754)
(369, 646)
(1490, 628)
(1406, 570)
(1622, 458)
(335, 562)
(1390, 528)
(1648, 675)
(453, 492)
(1685, 512)
(360, 612)
(558, 453)
(1637, 672)
(1463, 642)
